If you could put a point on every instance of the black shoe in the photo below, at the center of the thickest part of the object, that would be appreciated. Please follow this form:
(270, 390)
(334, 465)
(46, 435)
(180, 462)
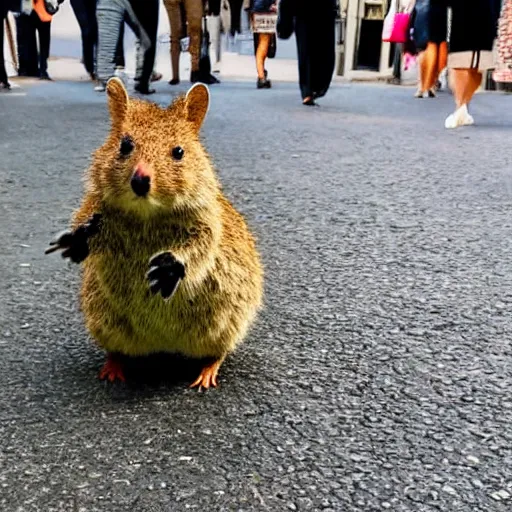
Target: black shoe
(263, 83)
(197, 76)
(44, 76)
(5, 85)
(174, 81)
(144, 89)
(211, 80)
(309, 102)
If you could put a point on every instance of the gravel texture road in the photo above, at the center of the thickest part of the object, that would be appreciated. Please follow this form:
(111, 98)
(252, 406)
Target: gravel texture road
(379, 374)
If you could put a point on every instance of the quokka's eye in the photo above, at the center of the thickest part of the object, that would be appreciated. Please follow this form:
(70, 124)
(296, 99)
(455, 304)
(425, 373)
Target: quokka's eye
(177, 153)
(127, 145)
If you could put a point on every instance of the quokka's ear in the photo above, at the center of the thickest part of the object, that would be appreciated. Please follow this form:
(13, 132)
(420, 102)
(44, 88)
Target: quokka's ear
(197, 102)
(117, 101)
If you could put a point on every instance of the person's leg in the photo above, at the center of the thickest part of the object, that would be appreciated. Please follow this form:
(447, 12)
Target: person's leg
(110, 15)
(462, 82)
(303, 51)
(236, 14)
(175, 23)
(146, 12)
(44, 31)
(473, 84)
(261, 56)
(215, 36)
(119, 55)
(322, 36)
(3, 73)
(429, 70)
(194, 10)
(27, 45)
(442, 59)
(86, 29)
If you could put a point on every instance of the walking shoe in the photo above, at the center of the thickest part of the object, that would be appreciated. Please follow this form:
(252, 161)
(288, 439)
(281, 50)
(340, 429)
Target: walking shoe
(432, 93)
(121, 74)
(44, 76)
(174, 81)
(309, 102)
(156, 76)
(5, 85)
(263, 83)
(143, 89)
(100, 86)
(419, 94)
(460, 117)
(196, 76)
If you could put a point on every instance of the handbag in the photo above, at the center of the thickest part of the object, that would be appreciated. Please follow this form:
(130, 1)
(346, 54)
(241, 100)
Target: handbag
(396, 25)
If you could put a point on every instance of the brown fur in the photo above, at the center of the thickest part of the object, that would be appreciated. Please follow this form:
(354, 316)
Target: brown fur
(186, 214)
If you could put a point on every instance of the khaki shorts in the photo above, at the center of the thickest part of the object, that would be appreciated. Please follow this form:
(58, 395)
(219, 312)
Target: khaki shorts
(481, 60)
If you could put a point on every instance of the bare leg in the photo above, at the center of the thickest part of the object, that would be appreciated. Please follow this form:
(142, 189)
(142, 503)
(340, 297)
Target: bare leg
(458, 83)
(473, 84)
(174, 13)
(261, 54)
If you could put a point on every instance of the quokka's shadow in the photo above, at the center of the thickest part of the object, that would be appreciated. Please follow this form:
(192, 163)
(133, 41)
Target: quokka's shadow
(161, 369)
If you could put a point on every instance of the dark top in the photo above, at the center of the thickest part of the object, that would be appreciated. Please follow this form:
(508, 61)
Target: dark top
(262, 5)
(430, 23)
(474, 24)
(308, 8)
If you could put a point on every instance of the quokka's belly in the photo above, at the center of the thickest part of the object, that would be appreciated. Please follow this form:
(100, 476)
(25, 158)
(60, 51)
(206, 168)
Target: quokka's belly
(123, 316)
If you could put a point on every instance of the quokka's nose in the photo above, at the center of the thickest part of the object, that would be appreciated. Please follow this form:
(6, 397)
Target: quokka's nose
(141, 183)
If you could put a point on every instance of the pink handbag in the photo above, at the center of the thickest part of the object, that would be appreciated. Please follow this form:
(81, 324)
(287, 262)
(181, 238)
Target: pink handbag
(396, 27)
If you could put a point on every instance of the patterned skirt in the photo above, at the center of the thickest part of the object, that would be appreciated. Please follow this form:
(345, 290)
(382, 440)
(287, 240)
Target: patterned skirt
(503, 72)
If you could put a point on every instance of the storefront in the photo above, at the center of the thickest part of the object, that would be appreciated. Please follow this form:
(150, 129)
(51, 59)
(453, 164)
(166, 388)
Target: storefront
(361, 52)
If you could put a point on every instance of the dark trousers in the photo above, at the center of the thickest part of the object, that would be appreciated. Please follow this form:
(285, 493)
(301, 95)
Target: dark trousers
(85, 12)
(316, 51)
(236, 16)
(43, 29)
(119, 57)
(3, 72)
(147, 14)
(27, 46)
(110, 20)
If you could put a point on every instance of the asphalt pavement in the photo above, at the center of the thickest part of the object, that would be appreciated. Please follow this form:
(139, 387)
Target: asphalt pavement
(379, 374)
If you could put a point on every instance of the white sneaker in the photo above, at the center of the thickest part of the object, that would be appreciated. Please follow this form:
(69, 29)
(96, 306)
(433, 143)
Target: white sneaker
(460, 117)
(122, 75)
(100, 87)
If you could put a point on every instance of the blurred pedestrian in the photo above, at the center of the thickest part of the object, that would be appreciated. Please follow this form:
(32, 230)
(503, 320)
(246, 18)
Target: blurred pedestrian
(185, 17)
(143, 16)
(215, 28)
(263, 41)
(430, 31)
(26, 41)
(236, 17)
(119, 59)
(503, 72)
(42, 15)
(4, 81)
(473, 31)
(315, 33)
(36, 17)
(85, 13)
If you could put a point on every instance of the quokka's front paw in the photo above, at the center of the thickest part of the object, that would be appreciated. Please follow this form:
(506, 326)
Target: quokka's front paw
(165, 274)
(74, 244)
